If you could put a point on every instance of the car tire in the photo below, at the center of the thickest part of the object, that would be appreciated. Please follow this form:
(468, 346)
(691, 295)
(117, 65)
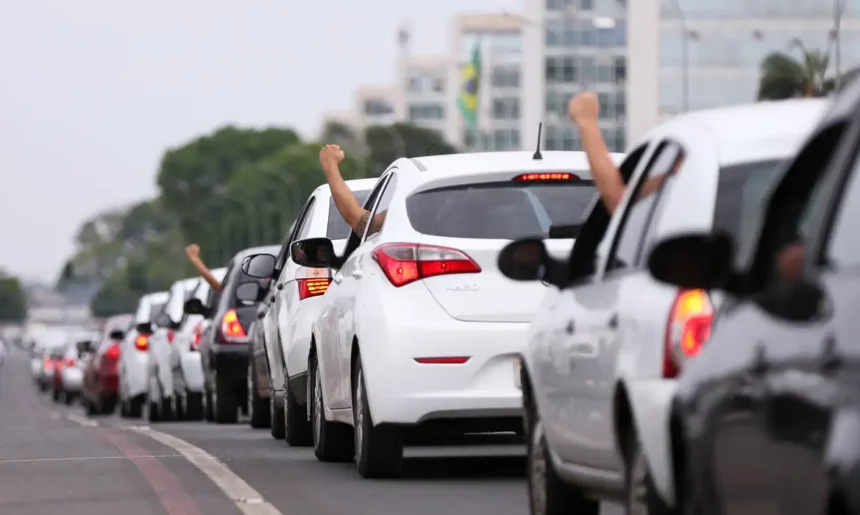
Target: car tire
(153, 412)
(135, 406)
(297, 427)
(548, 493)
(332, 442)
(179, 408)
(378, 448)
(259, 411)
(107, 405)
(168, 412)
(226, 405)
(90, 408)
(193, 406)
(69, 398)
(208, 406)
(641, 496)
(276, 417)
(56, 395)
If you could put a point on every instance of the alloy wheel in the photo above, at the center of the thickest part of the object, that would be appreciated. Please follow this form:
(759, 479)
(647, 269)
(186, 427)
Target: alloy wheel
(537, 473)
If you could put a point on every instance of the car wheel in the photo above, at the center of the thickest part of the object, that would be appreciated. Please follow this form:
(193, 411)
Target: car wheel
(179, 409)
(69, 398)
(548, 493)
(332, 441)
(378, 449)
(297, 427)
(107, 405)
(152, 412)
(226, 405)
(135, 406)
(208, 405)
(276, 419)
(90, 408)
(193, 406)
(168, 412)
(259, 411)
(641, 496)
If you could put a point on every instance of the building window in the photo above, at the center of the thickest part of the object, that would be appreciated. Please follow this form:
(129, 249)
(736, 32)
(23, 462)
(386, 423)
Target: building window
(470, 138)
(426, 112)
(620, 69)
(505, 78)
(375, 107)
(424, 82)
(587, 5)
(506, 108)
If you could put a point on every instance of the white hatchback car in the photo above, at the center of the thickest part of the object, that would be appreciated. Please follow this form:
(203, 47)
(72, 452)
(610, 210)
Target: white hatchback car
(600, 369)
(134, 355)
(297, 300)
(420, 330)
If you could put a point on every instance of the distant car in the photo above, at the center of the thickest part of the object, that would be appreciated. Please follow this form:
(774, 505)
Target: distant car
(134, 356)
(41, 363)
(69, 371)
(224, 345)
(100, 389)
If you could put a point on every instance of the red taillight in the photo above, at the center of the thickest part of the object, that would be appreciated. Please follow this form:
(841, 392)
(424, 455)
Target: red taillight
(231, 328)
(141, 342)
(443, 360)
(550, 176)
(70, 362)
(46, 361)
(195, 335)
(688, 328)
(112, 352)
(171, 334)
(404, 263)
(312, 287)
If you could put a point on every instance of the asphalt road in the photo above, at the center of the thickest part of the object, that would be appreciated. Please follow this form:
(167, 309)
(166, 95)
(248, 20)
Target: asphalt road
(53, 459)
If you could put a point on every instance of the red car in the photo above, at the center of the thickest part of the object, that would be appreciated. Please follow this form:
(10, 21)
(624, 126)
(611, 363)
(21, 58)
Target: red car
(100, 391)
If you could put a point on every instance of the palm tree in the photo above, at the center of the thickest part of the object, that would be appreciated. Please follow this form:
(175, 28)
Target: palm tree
(783, 76)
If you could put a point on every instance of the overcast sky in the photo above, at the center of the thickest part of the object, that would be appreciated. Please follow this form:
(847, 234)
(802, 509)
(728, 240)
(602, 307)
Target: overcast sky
(92, 92)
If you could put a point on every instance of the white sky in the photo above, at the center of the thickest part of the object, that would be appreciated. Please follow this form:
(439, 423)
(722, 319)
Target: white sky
(93, 91)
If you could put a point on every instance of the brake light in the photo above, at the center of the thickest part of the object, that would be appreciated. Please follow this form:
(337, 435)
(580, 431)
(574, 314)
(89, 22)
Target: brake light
(112, 352)
(403, 263)
(196, 334)
(312, 282)
(46, 361)
(551, 176)
(70, 362)
(171, 334)
(141, 342)
(687, 330)
(231, 328)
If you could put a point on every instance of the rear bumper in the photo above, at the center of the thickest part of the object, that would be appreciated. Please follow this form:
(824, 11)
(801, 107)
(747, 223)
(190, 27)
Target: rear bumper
(191, 365)
(73, 379)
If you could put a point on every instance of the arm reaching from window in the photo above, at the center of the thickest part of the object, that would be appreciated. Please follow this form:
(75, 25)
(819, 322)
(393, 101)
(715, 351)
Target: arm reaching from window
(331, 156)
(193, 252)
(584, 111)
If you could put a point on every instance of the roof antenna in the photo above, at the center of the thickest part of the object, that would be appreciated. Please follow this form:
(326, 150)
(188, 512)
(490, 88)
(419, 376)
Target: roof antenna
(428, 151)
(538, 156)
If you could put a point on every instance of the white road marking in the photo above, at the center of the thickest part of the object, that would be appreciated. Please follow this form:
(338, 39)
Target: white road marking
(81, 421)
(248, 500)
(91, 458)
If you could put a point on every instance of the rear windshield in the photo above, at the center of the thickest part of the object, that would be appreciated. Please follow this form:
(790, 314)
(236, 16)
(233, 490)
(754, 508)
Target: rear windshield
(156, 310)
(337, 228)
(740, 200)
(504, 210)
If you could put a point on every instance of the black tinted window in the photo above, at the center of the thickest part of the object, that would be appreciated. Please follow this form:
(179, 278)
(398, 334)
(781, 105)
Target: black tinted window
(505, 211)
(337, 228)
(741, 196)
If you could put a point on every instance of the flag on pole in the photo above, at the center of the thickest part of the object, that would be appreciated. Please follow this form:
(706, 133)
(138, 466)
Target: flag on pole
(468, 101)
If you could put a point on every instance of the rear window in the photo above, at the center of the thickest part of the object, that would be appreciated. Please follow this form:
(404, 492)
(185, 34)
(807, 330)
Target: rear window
(503, 210)
(740, 200)
(157, 308)
(337, 228)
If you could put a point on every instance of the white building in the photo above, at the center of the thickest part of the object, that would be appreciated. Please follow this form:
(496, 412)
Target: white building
(673, 56)
(421, 91)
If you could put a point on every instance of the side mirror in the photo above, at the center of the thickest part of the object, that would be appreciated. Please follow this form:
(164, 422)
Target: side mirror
(116, 335)
(144, 327)
(259, 265)
(313, 252)
(702, 261)
(528, 260)
(194, 307)
(249, 292)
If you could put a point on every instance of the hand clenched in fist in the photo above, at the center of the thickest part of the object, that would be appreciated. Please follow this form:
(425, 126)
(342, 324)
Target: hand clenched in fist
(331, 155)
(193, 251)
(584, 108)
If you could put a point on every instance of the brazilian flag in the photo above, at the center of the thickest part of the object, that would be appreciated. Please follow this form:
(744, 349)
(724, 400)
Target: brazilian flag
(468, 101)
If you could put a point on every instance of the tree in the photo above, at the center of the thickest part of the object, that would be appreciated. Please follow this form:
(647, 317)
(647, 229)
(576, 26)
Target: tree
(341, 134)
(13, 300)
(385, 143)
(192, 177)
(783, 76)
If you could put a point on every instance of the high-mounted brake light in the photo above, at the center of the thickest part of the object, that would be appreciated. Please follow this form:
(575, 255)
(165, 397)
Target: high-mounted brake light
(403, 263)
(231, 328)
(551, 176)
(687, 329)
(312, 282)
(141, 342)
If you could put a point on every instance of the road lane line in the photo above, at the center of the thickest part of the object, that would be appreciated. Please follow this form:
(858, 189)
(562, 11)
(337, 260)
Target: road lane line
(247, 499)
(90, 458)
(81, 421)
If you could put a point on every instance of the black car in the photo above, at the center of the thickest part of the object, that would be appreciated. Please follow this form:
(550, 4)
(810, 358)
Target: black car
(767, 418)
(224, 345)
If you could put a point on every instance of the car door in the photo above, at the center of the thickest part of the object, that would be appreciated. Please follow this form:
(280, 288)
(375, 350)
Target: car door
(345, 285)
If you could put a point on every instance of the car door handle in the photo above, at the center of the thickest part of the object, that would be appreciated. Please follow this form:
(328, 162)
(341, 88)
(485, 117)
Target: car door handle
(357, 274)
(337, 279)
(613, 321)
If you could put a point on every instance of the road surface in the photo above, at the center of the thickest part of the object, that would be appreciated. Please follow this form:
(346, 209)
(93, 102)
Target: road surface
(54, 460)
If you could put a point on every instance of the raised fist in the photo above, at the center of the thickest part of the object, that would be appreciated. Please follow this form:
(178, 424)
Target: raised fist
(583, 108)
(331, 155)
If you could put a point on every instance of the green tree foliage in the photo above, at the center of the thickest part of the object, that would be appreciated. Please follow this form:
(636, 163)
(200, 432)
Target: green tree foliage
(13, 299)
(783, 76)
(226, 191)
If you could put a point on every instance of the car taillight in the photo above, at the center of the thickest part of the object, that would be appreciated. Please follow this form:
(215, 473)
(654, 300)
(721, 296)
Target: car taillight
(47, 362)
(171, 334)
(141, 342)
(312, 282)
(403, 263)
(196, 333)
(70, 362)
(231, 328)
(688, 328)
(112, 352)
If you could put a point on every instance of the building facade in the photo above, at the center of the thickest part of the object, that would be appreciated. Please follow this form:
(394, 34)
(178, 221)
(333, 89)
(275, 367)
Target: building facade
(422, 91)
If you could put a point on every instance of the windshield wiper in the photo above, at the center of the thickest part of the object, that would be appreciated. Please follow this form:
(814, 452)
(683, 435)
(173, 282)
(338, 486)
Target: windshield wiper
(559, 232)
